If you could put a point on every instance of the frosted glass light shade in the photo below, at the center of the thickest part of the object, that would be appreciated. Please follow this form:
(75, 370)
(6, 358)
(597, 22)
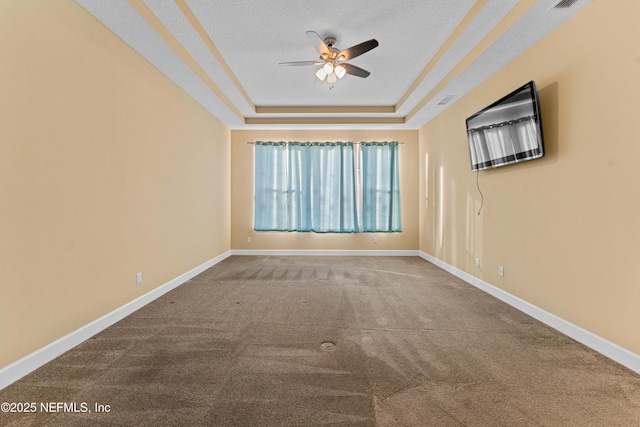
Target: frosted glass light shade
(321, 74)
(328, 67)
(340, 71)
(332, 78)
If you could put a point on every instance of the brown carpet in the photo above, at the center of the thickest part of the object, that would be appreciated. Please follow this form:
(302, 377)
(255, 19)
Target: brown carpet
(349, 341)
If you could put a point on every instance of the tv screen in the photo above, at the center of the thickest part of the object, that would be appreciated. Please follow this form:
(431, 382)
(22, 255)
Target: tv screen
(507, 131)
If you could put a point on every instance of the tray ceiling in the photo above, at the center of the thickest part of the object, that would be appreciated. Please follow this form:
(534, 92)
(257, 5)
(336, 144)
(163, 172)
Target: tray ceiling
(226, 54)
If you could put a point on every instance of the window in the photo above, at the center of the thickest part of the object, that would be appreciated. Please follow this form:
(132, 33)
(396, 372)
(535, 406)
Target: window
(317, 187)
(380, 187)
(305, 187)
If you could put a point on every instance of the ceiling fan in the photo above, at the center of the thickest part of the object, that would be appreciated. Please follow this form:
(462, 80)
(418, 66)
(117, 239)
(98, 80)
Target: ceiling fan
(333, 60)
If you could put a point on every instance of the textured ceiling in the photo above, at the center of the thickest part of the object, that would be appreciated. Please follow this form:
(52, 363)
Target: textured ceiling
(226, 54)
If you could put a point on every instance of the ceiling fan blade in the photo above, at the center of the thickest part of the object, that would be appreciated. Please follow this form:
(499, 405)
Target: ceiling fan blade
(318, 43)
(302, 63)
(358, 49)
(356, 71)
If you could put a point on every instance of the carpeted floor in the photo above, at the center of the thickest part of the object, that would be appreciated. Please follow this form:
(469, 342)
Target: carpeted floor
(349, 341)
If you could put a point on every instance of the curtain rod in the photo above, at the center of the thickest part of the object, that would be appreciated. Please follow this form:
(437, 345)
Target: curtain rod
(336, 142)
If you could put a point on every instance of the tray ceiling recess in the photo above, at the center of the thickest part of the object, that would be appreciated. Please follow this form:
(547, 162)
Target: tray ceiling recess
(226, 54)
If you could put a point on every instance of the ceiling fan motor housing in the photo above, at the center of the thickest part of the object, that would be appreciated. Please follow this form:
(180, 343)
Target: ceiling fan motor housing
(330, 42)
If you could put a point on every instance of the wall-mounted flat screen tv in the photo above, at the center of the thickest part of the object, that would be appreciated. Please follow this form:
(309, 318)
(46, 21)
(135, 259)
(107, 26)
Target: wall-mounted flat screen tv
(507, 131)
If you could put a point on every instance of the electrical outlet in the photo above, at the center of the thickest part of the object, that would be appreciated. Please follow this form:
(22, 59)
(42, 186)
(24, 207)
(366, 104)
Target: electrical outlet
(138, 277)
(501, 271)
(477, 262)
(375, 240)
(248, 239)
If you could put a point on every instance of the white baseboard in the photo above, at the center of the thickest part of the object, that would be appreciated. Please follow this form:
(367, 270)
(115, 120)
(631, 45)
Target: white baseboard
(322, 252)
(611, 350)
(33, 361)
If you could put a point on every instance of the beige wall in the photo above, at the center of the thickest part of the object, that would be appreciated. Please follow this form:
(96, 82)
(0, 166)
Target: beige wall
(566, 227)
(106, 169)
(242, 191)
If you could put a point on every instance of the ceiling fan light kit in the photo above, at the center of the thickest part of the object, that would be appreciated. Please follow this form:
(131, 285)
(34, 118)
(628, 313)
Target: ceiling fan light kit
(333, 60)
